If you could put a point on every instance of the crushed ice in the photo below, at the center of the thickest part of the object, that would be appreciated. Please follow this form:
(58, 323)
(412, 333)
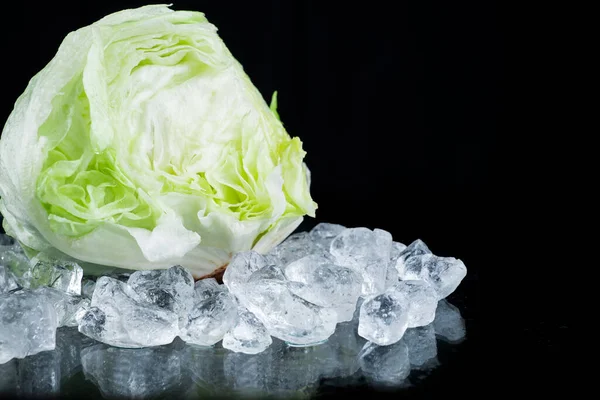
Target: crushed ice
(300, 293)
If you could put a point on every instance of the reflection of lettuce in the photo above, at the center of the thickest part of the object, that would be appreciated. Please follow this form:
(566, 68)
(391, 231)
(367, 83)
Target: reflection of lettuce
(143, 144)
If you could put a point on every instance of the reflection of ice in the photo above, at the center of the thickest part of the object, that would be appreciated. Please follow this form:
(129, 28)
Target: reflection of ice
(8, 377)
(279, 370)
(248, 373)
(131, 373)
(422, 347)
(448, 323)
(204, 365)
(41, 375)
(197, 372)
(385, 365)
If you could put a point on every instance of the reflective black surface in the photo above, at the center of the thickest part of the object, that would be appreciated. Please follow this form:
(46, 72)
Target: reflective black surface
(80, 366)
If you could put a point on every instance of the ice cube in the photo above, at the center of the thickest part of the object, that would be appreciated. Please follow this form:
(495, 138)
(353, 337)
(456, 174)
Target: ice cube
(385, 365)
(241, 266)
(15, 262)
(28, 325)
(383, 318)
(210, 319)
(270, 272)
(422, 347)
(422, 301)
(205, 288)
(414, 250)
(7, 280)
(59, 274)
(120, 317)
(323, 234)
(171, 289)
(397, 249)
(87, 287)
(448, 323)
(443, 273)
(132, 373)
(367, 252)
(392, 276)
(293, 248)
(248, 335)
(287, 316)
(66, 305)
(326, 284)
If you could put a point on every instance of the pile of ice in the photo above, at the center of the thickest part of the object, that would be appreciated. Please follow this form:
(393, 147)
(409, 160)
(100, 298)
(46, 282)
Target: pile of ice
(298, 293)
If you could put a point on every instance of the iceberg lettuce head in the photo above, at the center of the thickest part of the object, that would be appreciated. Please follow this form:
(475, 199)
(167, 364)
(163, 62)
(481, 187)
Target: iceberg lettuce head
(143, 144)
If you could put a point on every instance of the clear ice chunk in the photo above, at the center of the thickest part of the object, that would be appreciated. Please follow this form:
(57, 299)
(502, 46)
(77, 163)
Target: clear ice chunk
(209, 319)
(443, 273)
(270, 272)
(58, 274)
(171, 289)
(7, 280)
(449, 325)
(241, 266)
(248, 335)
(16, 262)
(421, 299)
(132, 373)
(395, 253)
(87, 287)
(383, 318)
(367, 252)
(66, 305)
(422, 347)
(287, 316)
(385, 365)
(120, 317)
(205, 288)
(392, 276)
(323, 234)
(296, 246)
(413, 251)
(326, 284)
(28, 325)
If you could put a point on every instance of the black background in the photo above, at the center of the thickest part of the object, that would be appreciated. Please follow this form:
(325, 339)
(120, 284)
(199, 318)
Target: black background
(398, 105)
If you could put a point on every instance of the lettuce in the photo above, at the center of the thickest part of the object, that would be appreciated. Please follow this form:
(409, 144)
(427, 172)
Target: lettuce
(143, 144)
